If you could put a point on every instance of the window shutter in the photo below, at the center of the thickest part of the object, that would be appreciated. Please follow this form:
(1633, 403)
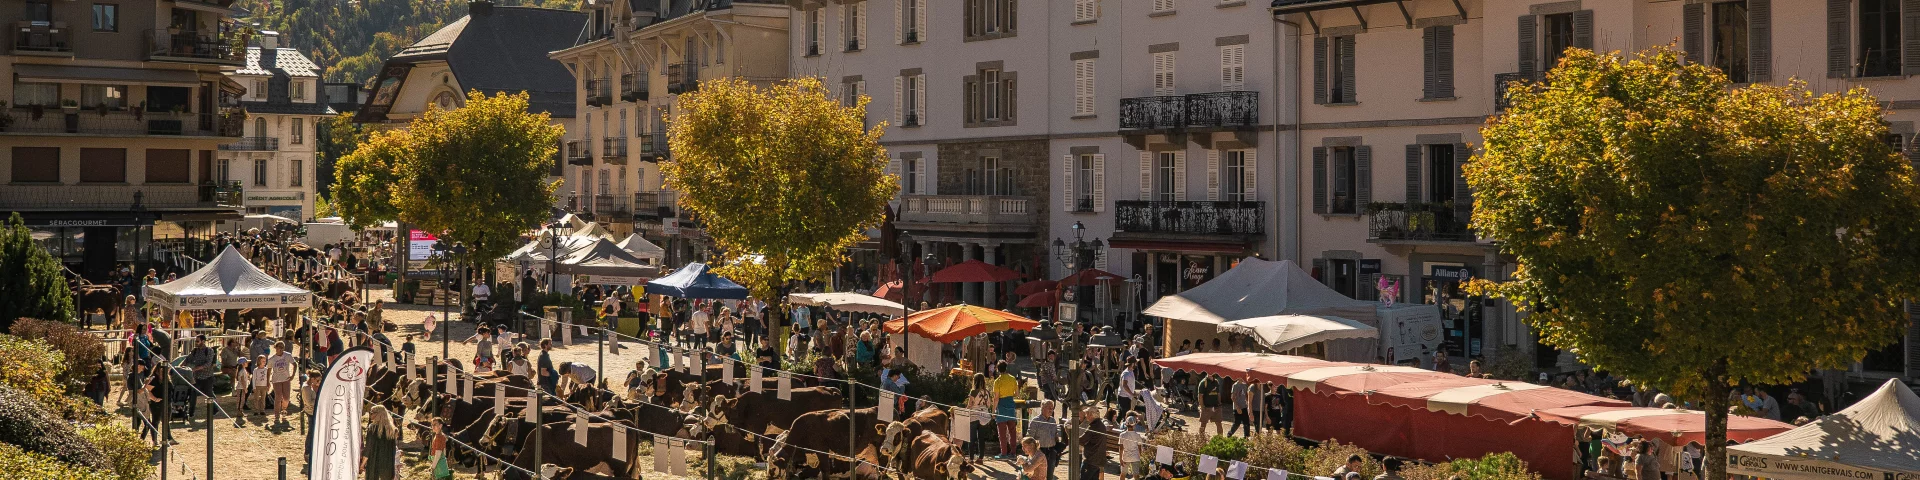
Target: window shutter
(1443, 59)
(1760, 41)
(1583, 29)
(920, 185)
(1082, 10)
(1692, 27)
(1213, 175)
(1346, 68)
(844, 25)
(1083, 71)
(1429, 47)
(860, 25)
(1319, 182)
(898, 101)
(1462, 195)
(900, 21)
(1910, 46)
(1413, 172)
(1146, 175)
(920, 19)
(893, 168)
(820, 33)
(1012, 97)
(1180, 176)
(1529, 48)
(1067, 165)
(975, 101)
(1837, 37)
(920, 99)
(1319, 70)
(1163, 73)
(1250, 175)
(1320, 270)
(1099, 182)
(1233, 71)
(1363, 178)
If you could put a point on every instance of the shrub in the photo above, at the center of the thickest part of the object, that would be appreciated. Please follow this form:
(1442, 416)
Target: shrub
(1274, 450)
(1332, 455)
(1226, 448)
(32, 367)
(123, 451)
(24, 465)
(1179, 442)
(83, 352)
(1497, 466)
(27, 423)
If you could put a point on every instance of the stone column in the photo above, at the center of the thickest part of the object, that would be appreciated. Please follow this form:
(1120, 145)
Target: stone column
(926, 247)
(970, 291)
(992, 290)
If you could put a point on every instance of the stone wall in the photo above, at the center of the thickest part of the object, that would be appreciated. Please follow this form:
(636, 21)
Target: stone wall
(1027, 159)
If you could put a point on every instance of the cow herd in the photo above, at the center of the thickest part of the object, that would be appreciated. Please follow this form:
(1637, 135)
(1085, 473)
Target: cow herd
(809, 434)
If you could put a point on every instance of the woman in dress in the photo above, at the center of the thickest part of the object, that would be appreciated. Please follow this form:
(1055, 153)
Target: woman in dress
(378, 459)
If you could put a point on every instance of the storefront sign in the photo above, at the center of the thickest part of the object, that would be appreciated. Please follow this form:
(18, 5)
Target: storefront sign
(251, 198)
(1771, 466)
(420, 245)
(1369, 267)
(1453, 273)
(76, 223)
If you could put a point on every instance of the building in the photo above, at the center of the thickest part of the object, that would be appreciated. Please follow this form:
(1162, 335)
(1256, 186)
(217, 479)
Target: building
(630, 61)
(116, 110)
(274, 161)
(493, 50)
(1377, 180)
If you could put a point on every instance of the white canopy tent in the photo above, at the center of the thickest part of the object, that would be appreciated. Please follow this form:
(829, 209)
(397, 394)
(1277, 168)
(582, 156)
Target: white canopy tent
(848, 302)
(535, 252)
(1281, 333)
(227, 282)
(603, 263)
(1876, 438)
(640, 247)
(1262, 288)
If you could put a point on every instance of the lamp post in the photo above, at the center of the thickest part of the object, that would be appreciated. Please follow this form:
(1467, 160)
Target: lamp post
(1077, 257)
(442, 266)
(906, 285)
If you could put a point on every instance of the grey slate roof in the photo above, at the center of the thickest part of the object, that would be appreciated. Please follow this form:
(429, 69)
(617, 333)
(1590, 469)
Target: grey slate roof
(288, 60)
(506, 51)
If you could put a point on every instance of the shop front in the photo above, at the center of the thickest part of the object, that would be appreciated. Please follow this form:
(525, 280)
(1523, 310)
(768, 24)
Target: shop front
(1462, 316)
(93, 243)
(291, 205)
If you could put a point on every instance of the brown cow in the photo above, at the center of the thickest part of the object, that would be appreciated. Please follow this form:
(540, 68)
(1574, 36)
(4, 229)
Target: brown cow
(895, 435)
(933, 456)
(596, 457)
(753, 412)
(798, 451)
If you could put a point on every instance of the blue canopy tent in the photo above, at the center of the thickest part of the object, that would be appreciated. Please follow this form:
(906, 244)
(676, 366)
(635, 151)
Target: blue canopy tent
(694, 281)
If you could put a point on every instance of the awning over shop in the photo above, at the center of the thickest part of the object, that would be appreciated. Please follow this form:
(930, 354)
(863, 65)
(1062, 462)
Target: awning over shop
(105, 75)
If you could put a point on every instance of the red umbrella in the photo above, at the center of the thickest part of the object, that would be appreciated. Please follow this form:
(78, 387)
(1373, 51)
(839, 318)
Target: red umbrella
(1089, 277)
(1043, 299)
(1034, 287)
(893, 291)
(974, 271)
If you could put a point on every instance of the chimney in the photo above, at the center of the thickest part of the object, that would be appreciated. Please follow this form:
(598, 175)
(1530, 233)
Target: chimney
(480, 8)
(269, 40)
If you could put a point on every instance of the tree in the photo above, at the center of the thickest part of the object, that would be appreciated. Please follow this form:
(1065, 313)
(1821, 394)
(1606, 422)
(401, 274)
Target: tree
(478, 173)
(1692, 236)
(30, 282)
(337, 136)
(784, 179)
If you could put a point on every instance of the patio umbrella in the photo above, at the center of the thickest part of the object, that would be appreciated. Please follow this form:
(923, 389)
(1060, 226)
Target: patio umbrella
(972, 271)
(1286, 332)
(846, 302)
(896, 292)
(1043, 299)
(1034, 287)
(1089, 277)
(1505, 401)
(950, 324)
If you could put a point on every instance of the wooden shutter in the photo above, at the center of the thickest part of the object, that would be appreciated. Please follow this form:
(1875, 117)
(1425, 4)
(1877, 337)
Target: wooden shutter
(1319, 181)
(1250, 175)
(893, 168)
(1529, 44)
(1011, 97)
(920, 19)
(1319, 70)
(1346, 68)
(1413, 172)
(1692, 27)
(1910, 45)
(1146, 175)
(1163, 73)
(1583, 29)
(899, 101)
(1838, 37)
(1462, 194)
(1760, 41)
(1099, 182)
(1067, 164)
(920, 99)
(1083, 10)
(975, 100)
(1180, 176)
(860, 25)
(1362, 178)
(1233, 67)
(900, 21)
(1213, 175)
(36, 164)
(920, 185)
(1438, 43)
(1083, 71)
(819, 33)
(109, 165)
(844, 25)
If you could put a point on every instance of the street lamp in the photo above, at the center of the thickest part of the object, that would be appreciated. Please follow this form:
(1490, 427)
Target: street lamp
(442, 265)
(906, 285)
(1076, 257)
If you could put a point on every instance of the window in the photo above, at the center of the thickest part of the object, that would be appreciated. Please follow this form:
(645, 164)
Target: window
(623, 122)
(606, 181)
(1163, 73)
(816, 33)
(910, 100)
(295, 173)
(260, 126)
(1346, 181)
(1879, 38)
(911, 26)
(1441, 175)
(1437, 59)
(1167, 176)
(990, 96)
(996, 105)
(40, 11)
(853, 23)
(223, 172)
(990, 18)
(1343, 277)
(1234, 178)
(1085, 11)
(996, 178)
(1895, 141)
(1233, 67)
(1730, 39)
(167, 165)
(26, 94)
(1162, 6)
(299, 90)
(1338, 82)
(112, 96)
(621, 181)
(103, 165)
(36, 164)
(1083, 71)
(260, 172)
(106, 17)
(259, 90)
(911, 176)
(299, 130)
(1556, 34)
(1083, 183)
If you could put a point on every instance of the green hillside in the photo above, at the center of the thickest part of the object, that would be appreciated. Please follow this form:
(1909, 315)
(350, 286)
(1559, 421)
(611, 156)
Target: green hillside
(350, 38)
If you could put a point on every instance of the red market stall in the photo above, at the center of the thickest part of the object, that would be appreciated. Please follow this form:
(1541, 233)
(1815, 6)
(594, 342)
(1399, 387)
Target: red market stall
(1505, 401)
(1675, 426)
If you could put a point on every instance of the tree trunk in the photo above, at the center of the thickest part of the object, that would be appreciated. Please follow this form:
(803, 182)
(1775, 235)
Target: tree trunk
(1716, 406)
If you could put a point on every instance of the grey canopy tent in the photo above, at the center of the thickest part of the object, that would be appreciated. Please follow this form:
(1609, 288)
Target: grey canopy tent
(642, 248)
(604, 263)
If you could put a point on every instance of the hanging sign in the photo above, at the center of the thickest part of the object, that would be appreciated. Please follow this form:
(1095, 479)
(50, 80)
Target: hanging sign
(786, 385)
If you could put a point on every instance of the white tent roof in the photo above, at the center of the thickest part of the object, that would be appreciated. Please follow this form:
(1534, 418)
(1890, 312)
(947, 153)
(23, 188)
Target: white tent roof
(1876, 438)
(229, 281)
(1286, 332)
(642, 248)
(603, 258)
(593, 229)
(534, 252)
(848, 301)
(1259, 288)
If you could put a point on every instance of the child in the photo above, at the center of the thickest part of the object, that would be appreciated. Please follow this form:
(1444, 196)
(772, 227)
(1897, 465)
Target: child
(262, 377)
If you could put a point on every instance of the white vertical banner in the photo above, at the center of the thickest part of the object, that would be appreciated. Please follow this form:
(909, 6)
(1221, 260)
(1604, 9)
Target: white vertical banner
(413, 371)
(677, 458)
(726, 372)
(1237, 470)
(533, 406)
(580, 428)
(659, 457)
(466, 389)
(449, 376)
(886, 406)
(619, 442)
(336, 440)
(754, 378)
(786, 385)
(1208, 465)
(387, 354)
(1163, 455)
(499, 399)
(1276, 474)
(959, 429)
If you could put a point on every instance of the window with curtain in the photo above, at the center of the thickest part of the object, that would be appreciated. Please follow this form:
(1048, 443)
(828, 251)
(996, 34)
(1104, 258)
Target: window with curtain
(260, 172)
(26, 94)
(299, 130)
(112, 96)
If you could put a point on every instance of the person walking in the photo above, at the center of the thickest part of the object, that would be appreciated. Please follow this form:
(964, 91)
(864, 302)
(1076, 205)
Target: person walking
(379, 458)
(1044, 430)
(1209, 393)
(1006, 414)
(1126, 391)
(1241, 414)
(549, 379)
(142, 399)
(1093, 444)
(979, 400)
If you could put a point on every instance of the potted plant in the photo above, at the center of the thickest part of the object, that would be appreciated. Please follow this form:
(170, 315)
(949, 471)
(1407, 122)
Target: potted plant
(139, 111)
(102, 108)
(70, 105)
(6, 116)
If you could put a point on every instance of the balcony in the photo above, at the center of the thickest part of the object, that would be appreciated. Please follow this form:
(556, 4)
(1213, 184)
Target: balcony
(655, 205)
(1503, 81)
(577, 153)
(42, 39)
(982, 212)
(120, 123)
(253, 144)
(633, 87)
(27, 197)
(682, 78)
(1417, 222)
(195, 47)
(614, 149)
(1190, 218)
(1223, 109)
(599, 92)
(653, 146)
(612, 208)
(1153, 113)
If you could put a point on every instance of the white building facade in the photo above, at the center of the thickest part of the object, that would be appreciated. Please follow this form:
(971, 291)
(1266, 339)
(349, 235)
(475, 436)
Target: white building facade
(273, 163)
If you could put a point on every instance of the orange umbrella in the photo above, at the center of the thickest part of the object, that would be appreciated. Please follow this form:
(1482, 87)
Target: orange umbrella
(949, 324)
(896, 292)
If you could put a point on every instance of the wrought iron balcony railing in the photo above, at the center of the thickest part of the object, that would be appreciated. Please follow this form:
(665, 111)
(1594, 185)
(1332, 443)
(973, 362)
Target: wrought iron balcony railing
(1147, 113)
(42, 38)
(54, 196)
(1192, 218)
(1504, 81)
(633, 87)
(114, 123)
(653, 146)
(612, 207)
(599, 92)
(1223, 109)
(657, 204)
(190, 46)
(578, 154)
(253, 144)
(614, 147)
(1438, 222)
(682, 78)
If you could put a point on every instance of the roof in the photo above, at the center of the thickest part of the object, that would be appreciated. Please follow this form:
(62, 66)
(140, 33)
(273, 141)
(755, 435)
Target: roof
(288, 108)
(505, 51)
(1874, 438)
(114, 75)
(286, 60)
(229, 281)
(1259, 288)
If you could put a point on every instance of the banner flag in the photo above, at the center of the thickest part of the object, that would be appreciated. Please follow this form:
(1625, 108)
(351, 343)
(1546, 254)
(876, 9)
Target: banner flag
(753, 378)
(466, 389)
(500, 399)
(886, 406)
(726, 372)
(580, 428)
(336, 431)
(786, 385)
(659, 458)
(619, 443)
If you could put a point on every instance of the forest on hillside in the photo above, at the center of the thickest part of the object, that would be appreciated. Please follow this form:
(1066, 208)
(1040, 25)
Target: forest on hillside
(350, 38)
